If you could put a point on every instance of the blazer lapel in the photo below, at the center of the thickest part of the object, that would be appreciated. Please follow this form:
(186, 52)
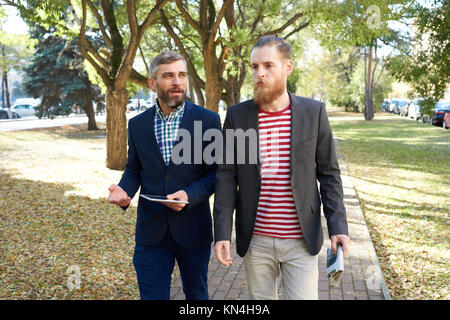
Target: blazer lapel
(252, 123)
(297, 126)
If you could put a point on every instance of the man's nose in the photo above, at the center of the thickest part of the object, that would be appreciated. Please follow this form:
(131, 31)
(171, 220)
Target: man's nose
(176, 81)
(260, 73)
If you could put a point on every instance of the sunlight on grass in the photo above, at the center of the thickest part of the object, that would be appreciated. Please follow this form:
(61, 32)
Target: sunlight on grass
(53, 189)
(400, 170)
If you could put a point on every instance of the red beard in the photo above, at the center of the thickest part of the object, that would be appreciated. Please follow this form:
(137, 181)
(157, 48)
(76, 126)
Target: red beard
(266, 94)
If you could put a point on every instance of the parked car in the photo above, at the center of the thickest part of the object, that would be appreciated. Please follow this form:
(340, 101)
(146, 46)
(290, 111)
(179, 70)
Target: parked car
(4, 114)
(396, 105)
(446, 122)
(438, 113)
(404, 109)
(146, 104)
(24, 109)
(391, 105)
(415, 109)
(385, 106)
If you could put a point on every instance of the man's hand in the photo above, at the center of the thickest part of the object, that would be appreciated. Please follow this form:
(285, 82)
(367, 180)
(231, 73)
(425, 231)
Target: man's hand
(223, 246)
(179, 195)
(343, 239)
(118, 196)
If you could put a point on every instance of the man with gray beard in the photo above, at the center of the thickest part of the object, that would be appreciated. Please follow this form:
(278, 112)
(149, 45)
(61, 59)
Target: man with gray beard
(178, 226)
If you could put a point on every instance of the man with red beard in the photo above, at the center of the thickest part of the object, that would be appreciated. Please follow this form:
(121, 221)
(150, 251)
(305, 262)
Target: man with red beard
(169, 230)
(277, 202)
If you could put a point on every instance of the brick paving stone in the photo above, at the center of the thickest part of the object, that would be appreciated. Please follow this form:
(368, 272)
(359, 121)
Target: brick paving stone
(233, 294)
(324, 295)
(346, 296)
(244, 296)
(230, 282)
(359, 285)
(323, 285)
(361, 296)
(219, 295)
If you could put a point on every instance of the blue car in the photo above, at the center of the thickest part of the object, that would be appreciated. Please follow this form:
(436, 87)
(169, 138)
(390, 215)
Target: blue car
(439, 112)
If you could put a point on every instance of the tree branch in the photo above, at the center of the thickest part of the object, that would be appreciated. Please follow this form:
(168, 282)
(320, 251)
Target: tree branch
(132, 20)
(182, 49)
(283, 27)
(143, 58)
(101, 72)
(304, 25)
(151, 15)
(100, 23)
(188, 17)
(220, 15)
(138, 78)
(10, 3)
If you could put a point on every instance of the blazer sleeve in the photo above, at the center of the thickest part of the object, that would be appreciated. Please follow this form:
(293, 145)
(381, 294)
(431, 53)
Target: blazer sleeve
(131, 177)
(202, 189)
(225, 188)
(329, 176)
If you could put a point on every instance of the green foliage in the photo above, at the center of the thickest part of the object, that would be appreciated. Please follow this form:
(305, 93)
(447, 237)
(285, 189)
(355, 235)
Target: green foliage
(15, 48)
(293, 79)
(400, 172)
(425, 64)
(357, 89)
(56, 74)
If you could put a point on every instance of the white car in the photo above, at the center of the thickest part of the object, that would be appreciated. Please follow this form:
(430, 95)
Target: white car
(24, 109)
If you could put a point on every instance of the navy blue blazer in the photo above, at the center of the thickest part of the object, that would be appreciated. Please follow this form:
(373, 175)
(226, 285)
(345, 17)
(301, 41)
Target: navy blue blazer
(192, 226)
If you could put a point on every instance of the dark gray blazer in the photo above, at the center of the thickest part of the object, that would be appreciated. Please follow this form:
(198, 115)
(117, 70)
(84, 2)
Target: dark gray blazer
(313, 157)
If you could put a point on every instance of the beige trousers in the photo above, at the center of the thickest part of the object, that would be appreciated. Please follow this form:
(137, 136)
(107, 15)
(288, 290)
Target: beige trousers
(267, 258)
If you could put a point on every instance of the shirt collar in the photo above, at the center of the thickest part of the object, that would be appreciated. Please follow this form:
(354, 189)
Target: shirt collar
(172, 115)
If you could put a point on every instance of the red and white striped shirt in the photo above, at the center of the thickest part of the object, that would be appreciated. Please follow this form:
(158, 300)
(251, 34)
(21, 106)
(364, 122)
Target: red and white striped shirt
(276, 214)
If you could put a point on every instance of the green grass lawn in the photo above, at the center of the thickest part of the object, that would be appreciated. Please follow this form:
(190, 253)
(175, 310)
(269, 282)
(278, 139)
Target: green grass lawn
(401, 173)
(53, 191)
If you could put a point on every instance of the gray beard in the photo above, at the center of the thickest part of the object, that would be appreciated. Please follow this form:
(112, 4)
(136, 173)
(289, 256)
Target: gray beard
(170, 102)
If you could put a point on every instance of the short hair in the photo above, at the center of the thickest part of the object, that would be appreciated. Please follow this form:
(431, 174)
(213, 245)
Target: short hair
(163, 58)
(283, 47)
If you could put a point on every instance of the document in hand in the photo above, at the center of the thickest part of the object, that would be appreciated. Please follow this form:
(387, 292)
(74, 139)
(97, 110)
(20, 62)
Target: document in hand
(156, 198)
(335, 265)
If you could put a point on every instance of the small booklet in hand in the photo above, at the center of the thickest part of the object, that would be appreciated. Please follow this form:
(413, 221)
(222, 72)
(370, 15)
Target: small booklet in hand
(335, 265)
(152, 197)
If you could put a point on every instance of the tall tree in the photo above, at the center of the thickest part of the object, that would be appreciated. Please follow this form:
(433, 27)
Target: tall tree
(56, 74)
(15, 49)
(364, 24)
(223, 36)
(121, 24)
(425, 63)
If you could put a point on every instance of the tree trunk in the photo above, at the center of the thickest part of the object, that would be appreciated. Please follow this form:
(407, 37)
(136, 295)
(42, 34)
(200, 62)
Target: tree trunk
(213, 89)
(89, 109)
(368, 105)
(368, 108)
(191, 90)
(116, 128)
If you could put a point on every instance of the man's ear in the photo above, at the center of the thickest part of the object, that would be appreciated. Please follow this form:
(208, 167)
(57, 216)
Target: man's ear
(151, 84)
(289, 65)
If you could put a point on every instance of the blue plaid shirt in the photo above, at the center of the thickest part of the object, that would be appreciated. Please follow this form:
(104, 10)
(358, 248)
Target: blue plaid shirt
(166, 129)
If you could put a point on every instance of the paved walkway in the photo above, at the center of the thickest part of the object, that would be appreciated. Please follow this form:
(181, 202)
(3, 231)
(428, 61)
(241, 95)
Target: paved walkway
(362, 279)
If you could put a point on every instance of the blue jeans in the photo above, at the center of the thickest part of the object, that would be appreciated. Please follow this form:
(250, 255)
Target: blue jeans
(154, 266)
